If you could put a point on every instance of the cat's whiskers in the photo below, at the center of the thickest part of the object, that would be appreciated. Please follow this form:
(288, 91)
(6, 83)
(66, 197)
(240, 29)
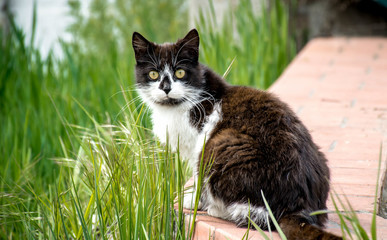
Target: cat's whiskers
(210, 98)
(197, 119)
(203, 96)
(208, 94)
(147, 95)
(145, 112)
(196, 102)
(172, 57)
(159, 57)
(182, 60)
(123, 91)
(154, 60)
(152, 63)
(127, 105)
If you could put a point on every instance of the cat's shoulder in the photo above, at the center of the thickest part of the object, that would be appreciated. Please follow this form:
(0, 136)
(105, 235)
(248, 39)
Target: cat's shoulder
(242, 95)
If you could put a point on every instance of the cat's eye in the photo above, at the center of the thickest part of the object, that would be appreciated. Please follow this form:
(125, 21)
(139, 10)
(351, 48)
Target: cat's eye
(153, 75)
(180, 73)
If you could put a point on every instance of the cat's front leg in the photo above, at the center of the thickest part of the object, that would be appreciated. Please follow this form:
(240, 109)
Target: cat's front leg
(190, 196)
(190, 199)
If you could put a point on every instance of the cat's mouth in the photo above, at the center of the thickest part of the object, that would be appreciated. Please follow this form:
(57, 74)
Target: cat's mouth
(170, 101)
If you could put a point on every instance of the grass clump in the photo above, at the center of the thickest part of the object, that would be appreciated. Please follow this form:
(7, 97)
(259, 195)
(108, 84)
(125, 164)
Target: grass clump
(120, 185)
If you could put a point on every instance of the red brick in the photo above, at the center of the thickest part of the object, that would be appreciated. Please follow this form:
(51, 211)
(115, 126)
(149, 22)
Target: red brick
(351, 189)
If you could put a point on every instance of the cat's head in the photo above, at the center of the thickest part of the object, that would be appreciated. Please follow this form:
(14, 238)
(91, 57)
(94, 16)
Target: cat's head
(168, 74)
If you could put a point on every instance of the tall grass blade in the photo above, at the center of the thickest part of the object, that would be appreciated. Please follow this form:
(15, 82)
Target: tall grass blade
(33, 27)
(373, 223)
(282, 235)
(343, 225)
(61, 215)
(263, 234)
(229, 68)
(76, 201)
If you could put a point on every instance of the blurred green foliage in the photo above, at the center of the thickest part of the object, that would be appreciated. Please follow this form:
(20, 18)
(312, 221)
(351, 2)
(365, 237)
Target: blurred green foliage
(258, 41)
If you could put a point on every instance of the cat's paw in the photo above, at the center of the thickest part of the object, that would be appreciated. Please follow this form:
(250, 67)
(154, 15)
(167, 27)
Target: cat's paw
(188, 203)
(215, 211)
(189, 200)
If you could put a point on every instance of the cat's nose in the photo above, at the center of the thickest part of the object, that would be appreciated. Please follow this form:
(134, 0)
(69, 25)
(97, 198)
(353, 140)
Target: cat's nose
(165, 85)
(167, 90)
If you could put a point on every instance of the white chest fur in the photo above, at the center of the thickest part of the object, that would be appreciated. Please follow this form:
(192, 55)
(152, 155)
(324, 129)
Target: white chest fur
(172, 124)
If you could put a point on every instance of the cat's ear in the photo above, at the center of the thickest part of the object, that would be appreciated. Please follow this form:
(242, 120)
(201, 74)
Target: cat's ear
(192, 38)
(190, 44)
(140, 44)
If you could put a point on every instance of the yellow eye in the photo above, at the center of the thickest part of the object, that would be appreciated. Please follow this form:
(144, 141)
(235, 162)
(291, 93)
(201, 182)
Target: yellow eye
(180, 73)
(153, 75)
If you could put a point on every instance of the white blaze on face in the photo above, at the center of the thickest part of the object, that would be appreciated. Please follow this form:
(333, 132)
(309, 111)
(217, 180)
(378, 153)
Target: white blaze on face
(178, 90)
(167, 73)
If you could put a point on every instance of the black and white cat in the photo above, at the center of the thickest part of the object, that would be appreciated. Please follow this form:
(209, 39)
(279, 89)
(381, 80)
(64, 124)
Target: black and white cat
(255, 141)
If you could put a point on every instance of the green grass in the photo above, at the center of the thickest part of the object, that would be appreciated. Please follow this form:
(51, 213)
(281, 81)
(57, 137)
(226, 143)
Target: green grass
(258, 42)
(77, 158)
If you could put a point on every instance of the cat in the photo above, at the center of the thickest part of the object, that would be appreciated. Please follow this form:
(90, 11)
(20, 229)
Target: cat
(253, 141)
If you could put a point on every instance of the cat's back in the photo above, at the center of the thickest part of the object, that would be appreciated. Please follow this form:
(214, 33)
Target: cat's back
(269, 126)
(240, 96)
(254, 111)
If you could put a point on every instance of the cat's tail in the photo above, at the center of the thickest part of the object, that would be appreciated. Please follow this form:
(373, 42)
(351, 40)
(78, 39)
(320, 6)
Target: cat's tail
(296, 227)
